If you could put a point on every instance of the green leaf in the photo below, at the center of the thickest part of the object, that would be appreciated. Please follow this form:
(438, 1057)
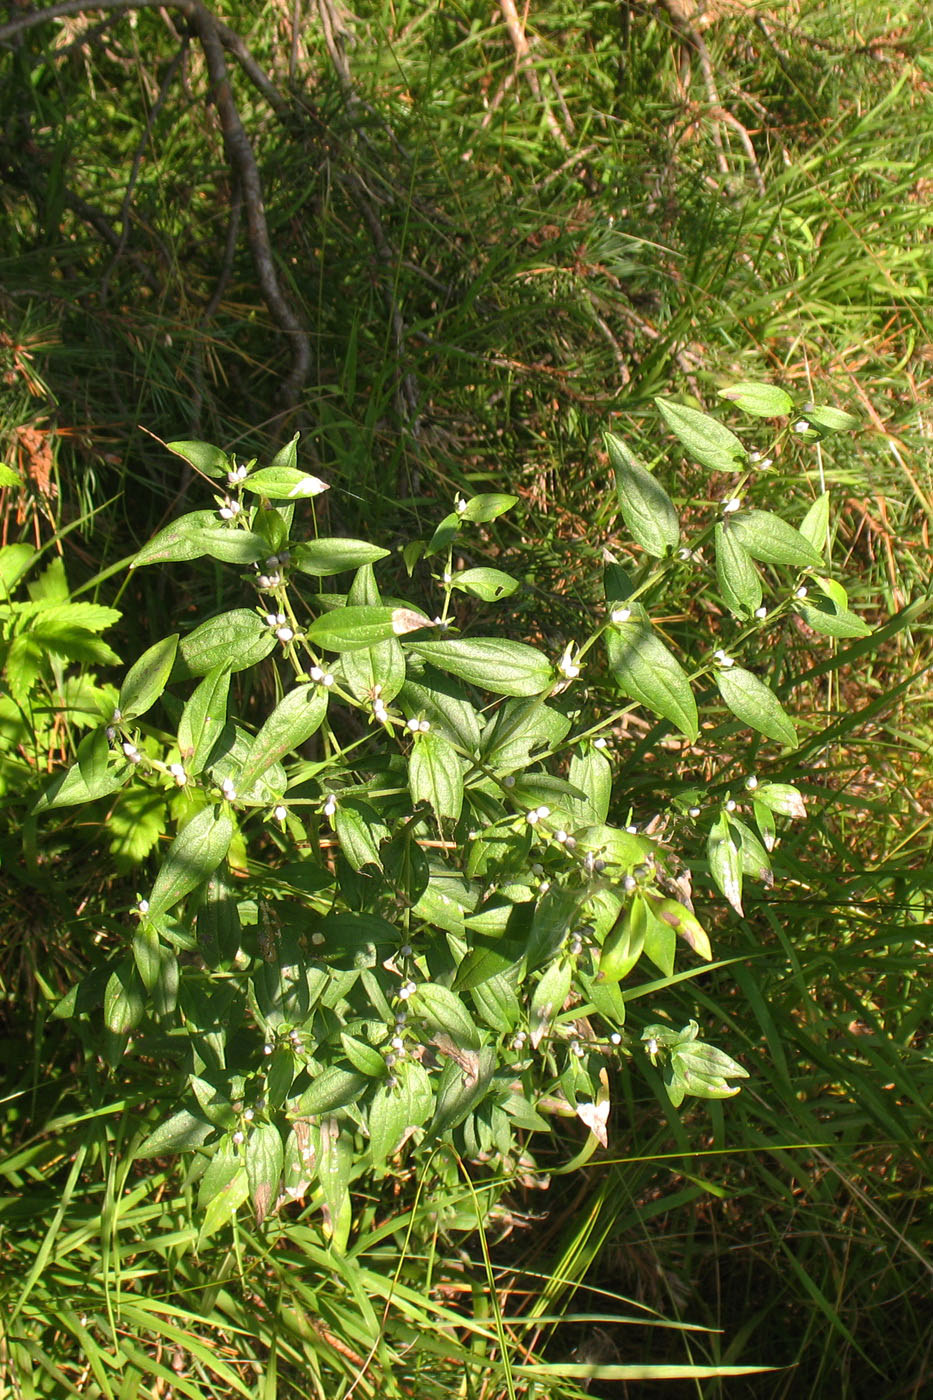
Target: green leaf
(755, 704)
(363, 1057)
(762, 400)
(229, 545)
(203, 456)
(91, 777)
(287, 456)
(521, 730)
(752, 853)
(360, 831)
(646, 508)
(295, 718)
(830, 620)
(435, 775)
(682, 920)
(333, 1088)
(124, 1002)
(398, 1109)
(782, 798)
(705, 439)
(724, 862)
(265, 1157)
(224, 1188)
(183, 1132)
(352, 628)
(203, 718)
(283, 483)
(147, 678)
(548, 1000)
(703, 1070)
(496, 1002)
(488, 584)
(182, 539)
(193, 856)
(446, 531)
(624, 943)
(769, 538)
(832, 420)
(815, 523)
(505, 668)
(591, 772)
(644, 670)
(481, 509)
(441, 1010)
(739, 580)
(147, 954)
(235, 640)
(321, 558)
(15, 562)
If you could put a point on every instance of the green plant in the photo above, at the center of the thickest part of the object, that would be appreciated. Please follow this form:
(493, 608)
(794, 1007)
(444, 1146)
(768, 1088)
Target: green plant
(399, 911)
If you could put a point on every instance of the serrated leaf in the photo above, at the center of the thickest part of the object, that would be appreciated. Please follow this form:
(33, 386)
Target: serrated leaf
(295, 718)
(203, 718)
(265, 1157)
(193, 856)
(503, 667)
(755, 704)
(646, 508)
(705, 439)
(442, 1011)
(203, 456)
(481, 509)
(488, 584)
(762, 400)
(352, 628)
(435, 775)
(183, 1132)
(724, 862)
(15, 562)
(283, 483)
(739, 580)
(644, 670)
(769, 538)
(324, 557)
(234, 640)
(147, 678)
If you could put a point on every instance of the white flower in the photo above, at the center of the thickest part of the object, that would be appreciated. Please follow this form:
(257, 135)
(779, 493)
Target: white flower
(730, 805)
(272, 619)
(284, 634)
(751, 782)
(544, 812)
(238, 1137)
(131, 751)
(801, 426)
(620, 615)
(616, 1038)
(413, 725)
(228, 789)
(730, 506)
(724, 660)
(532, 817)
(651, 1045)
(761, 613)
(599, 743)
(178, 773)
(330, 806)
(327, 679)
(448, 576)
(567, 666)
(280, 813)
(629, 883)
(143, 906)
(249, 1115)
(267, 1049)
(560, 836)
(801, 592)
(229, 509)
(694, 812)
(460, 505)
(316, 673)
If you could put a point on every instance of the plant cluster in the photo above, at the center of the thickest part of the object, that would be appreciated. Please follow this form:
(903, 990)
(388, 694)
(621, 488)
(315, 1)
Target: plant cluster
(405, 909)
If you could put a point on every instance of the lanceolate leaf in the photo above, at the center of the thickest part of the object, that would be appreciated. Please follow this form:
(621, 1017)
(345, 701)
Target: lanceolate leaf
(827, 618)
(181, 539)
(203, 719)
(442, 1010)
(265, 1157)
(505, 668)
(644, 669)
(487, 507)
(92, 776)
(322, 558)
(769, 538)
(204, 456)
(294, 719)
(193, 856)
(646, 508)
(705, 439)
(755, 704)
(488, 584)
(435, 775)
(739, 580)
(724, 861)
(283, 484)
(147, 678)
(352, 628)
(762, 400)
